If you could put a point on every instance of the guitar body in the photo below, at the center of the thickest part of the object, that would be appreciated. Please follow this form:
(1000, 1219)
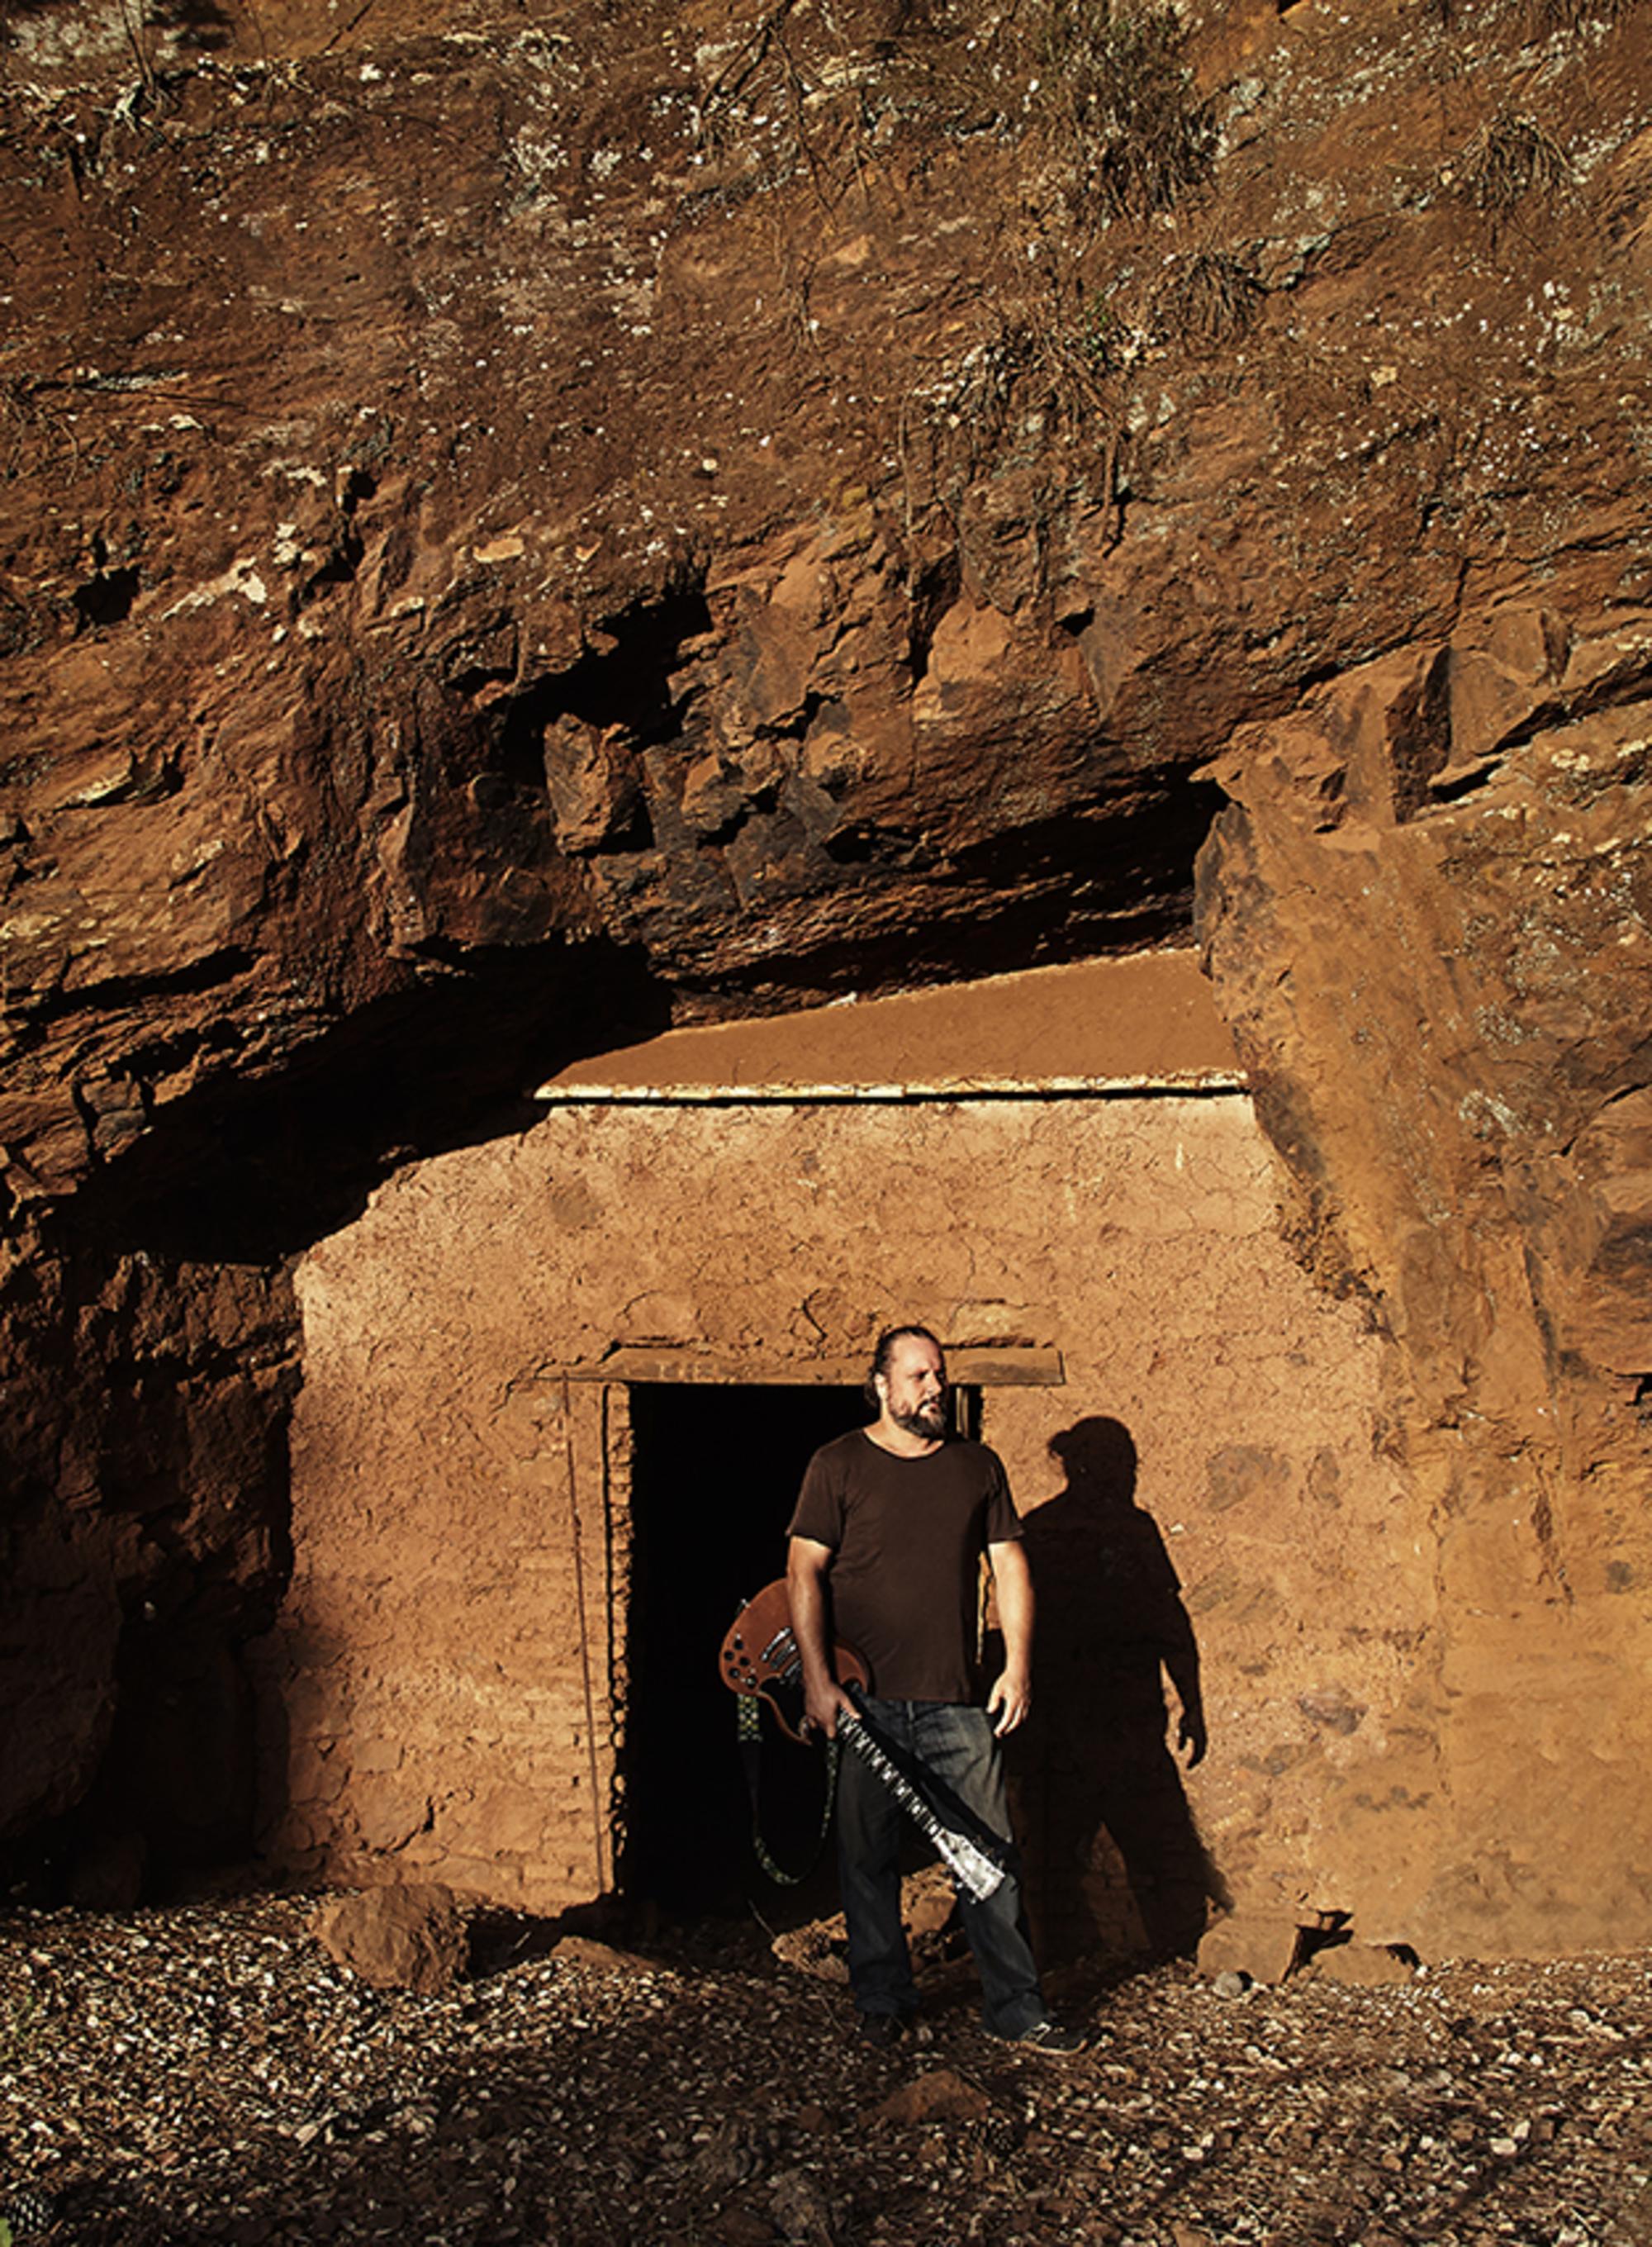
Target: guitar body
(760, 1655)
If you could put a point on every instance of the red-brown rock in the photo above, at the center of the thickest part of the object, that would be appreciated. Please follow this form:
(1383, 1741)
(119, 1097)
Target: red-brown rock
(1363, 1965)
(1264, 1948)
(940, 2094)
(584, 1950)
(408, 1937)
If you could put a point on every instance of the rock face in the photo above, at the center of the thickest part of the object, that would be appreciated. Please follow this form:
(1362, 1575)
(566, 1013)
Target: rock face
(144, 1534)
(517, 533)
(1450, 850)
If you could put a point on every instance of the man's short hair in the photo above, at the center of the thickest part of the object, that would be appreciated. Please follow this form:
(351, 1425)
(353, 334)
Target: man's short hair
(883, 1349)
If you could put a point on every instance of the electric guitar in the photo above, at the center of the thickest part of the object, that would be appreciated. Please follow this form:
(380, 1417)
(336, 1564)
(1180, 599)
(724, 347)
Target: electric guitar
(760, 1655)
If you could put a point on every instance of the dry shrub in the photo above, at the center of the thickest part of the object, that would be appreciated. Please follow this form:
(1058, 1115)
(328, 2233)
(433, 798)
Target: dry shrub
(1550, 15)
(1210, 299)
(1506, 160)
(1137, 137)
(1030, 362)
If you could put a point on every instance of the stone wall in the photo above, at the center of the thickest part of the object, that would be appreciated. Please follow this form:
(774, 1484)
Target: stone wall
(438, 1693)
(445, 1663)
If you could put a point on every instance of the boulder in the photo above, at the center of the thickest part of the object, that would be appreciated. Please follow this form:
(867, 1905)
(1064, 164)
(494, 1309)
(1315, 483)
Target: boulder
(1263, 1945)
(408, 1937)
(814, 1949)
(1365, 1965)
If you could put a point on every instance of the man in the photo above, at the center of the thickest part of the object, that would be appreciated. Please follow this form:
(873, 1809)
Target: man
(885, 1551)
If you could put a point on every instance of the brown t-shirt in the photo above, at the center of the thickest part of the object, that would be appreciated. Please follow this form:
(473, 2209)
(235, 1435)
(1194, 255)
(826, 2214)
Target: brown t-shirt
(906, 1537)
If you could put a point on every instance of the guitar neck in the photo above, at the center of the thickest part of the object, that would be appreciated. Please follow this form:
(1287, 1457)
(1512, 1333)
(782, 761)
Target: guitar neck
(970, 1866)
(761, 1656)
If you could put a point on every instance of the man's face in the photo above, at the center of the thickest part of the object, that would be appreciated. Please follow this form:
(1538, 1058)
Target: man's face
(914, 1388)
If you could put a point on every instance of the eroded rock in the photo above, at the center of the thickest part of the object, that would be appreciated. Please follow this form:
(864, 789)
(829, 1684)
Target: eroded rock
(406, 1937)
(1259, 1946)
(1364, 1965)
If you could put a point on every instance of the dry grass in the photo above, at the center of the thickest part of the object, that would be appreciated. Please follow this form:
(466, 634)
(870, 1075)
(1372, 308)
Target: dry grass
(1509, 160)
(1537, 19)
(1209, 300)
(1030, 364)
(1038, 382)
(1550, 15)
(1137, 136)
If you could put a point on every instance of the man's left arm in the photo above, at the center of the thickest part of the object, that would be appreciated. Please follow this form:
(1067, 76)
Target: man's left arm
(1012, 1694)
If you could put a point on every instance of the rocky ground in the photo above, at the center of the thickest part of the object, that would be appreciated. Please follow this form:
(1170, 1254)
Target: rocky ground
(209, 2074)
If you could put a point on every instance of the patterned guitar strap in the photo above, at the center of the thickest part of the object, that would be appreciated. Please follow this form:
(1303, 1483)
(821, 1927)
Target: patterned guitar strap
(748, 1725)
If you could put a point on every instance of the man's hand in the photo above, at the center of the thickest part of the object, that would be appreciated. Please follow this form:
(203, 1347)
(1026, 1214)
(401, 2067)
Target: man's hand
(822, 1703)
(1190, 1734)
(1010, 1701)
(1011, 1698)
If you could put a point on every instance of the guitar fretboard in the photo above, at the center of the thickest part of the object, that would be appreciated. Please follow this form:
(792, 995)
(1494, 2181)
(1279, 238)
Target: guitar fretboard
(776, 1670)
(970, 1866)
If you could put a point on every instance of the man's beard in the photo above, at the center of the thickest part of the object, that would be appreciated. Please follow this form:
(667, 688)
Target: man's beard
(923, 1419)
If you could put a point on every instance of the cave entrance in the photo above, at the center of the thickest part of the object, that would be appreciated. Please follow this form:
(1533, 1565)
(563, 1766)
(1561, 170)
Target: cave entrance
(714, 1473)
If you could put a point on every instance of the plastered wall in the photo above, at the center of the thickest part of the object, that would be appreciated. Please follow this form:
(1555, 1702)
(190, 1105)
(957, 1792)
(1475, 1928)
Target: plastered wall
(441, 1695)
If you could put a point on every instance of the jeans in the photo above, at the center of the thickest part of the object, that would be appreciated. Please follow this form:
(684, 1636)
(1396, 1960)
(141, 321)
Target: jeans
(955, 1743)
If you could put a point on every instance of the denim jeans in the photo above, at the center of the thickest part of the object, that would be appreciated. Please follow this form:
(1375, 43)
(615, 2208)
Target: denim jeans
(955, 1743)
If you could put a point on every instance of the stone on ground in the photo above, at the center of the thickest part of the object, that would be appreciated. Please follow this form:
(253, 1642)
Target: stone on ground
(1363, 1965)
(1262, 1945)
(407, 1937)
(585, 1950)
(939, 2095)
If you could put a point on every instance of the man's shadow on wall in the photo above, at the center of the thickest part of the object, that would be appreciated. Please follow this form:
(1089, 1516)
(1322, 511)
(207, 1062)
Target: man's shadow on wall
(1094, 1752)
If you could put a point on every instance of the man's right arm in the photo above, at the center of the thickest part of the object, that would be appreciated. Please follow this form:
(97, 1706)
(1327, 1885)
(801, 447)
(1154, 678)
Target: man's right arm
(807, 1566)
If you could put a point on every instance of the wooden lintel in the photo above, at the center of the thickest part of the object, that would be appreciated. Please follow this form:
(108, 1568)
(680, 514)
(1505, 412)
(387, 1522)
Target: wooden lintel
(1012, 1365)
(1015, 1365)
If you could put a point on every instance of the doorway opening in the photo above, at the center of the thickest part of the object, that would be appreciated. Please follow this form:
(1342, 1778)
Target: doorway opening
(714, 1475)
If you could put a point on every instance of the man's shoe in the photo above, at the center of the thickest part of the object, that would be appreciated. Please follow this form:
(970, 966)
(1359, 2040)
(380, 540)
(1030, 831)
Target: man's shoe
(1051, 2038)
(879, 2029)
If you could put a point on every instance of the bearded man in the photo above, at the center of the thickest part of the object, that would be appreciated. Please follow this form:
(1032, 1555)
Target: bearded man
(885, 1548)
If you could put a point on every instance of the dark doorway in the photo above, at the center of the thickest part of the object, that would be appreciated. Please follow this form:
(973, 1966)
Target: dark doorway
(714, 1475)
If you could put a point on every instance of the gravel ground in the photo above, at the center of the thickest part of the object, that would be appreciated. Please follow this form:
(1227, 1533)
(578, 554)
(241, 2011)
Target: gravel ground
(208, 2074)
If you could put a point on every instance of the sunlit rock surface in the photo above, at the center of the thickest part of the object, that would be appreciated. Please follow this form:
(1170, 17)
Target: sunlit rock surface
(517, 532)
